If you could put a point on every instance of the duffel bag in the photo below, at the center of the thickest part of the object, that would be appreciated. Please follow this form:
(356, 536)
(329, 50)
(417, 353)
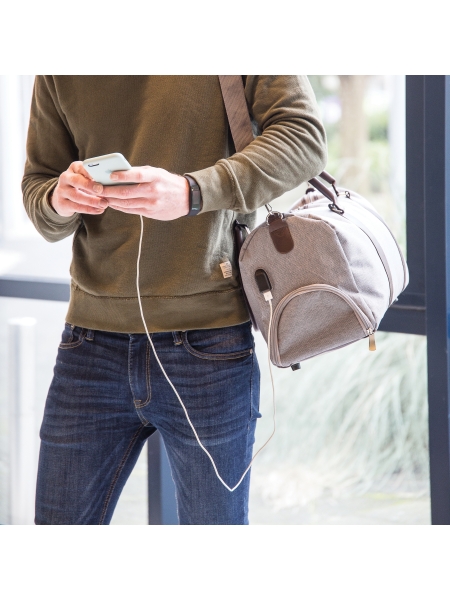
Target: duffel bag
(322, 275)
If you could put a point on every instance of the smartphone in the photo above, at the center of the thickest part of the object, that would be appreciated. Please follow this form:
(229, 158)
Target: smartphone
(101, 167)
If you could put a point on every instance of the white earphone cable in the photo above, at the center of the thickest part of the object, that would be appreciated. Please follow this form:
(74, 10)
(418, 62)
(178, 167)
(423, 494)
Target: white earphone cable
(176, 393)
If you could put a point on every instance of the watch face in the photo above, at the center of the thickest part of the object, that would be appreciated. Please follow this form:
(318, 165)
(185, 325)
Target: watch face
(196, 197)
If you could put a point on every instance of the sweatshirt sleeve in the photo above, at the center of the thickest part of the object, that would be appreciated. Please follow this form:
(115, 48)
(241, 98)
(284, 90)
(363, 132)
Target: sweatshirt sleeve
(290, 150)
(50, 151)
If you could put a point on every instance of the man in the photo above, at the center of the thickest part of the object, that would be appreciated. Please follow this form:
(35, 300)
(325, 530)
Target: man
(108, 394)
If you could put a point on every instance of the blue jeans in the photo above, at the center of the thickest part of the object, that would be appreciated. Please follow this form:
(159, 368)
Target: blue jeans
(108, 395)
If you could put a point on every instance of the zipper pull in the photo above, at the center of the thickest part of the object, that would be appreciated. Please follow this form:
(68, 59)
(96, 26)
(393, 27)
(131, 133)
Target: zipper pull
(372, 345)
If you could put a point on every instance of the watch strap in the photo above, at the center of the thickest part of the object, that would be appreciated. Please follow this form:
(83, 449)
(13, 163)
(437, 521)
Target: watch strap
(195, 197)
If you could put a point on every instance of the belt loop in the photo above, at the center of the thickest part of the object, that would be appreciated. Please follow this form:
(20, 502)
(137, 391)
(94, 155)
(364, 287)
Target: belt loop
(177, 338)
(90, 335)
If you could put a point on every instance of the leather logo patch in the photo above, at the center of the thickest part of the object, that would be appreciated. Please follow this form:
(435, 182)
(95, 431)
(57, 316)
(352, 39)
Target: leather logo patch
(280, 234)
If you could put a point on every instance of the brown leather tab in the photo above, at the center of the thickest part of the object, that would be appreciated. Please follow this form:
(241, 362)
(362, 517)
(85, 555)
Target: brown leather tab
(237, 111)
(322, 188)
(280, 234)
(327, 177)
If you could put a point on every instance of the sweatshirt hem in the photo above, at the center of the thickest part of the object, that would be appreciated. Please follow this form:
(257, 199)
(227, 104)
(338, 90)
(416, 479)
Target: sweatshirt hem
(162, 313)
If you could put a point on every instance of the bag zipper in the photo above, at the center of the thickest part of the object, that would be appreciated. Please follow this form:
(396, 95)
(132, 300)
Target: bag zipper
(366, 325)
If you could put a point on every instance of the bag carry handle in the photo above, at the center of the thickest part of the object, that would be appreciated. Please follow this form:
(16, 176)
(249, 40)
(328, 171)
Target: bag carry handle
(320, 187)
(327, 177)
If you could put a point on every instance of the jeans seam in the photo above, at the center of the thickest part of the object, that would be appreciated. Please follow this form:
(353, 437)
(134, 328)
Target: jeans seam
(129, 369)
(118, 472)
(136, 404)
(251, 391)
(143, 420)
(251, 413)
(149, 387)
(177, 339)
(70, 345)
(210, 356)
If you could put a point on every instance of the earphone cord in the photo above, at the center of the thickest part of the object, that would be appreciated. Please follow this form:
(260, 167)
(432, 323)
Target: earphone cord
(176, 393)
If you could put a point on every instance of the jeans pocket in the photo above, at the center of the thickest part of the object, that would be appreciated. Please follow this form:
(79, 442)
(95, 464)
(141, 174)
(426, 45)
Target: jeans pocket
(225, 343)
(72, 337)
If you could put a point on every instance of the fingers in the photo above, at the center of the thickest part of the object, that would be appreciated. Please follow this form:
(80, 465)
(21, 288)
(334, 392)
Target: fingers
(78, 181)
(67, 208)
(77, 167)
(127, 195)
(130, 204)
(77, 193)
(86, 210)
(86, 185)
(146, 212)
(79, 197)
(136, 175)
(129, 211)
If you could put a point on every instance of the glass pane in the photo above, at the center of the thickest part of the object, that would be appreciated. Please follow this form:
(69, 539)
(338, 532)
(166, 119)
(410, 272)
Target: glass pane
(352, 442)
(351, 445)
(132, 508)
(22, 250)
(364, 116)
(50, 316)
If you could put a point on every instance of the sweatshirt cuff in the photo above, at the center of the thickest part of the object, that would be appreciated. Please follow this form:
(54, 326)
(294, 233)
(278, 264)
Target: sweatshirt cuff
(216, 186)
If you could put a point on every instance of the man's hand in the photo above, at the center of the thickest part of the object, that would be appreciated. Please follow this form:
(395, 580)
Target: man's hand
(157, 194)
(76, 192)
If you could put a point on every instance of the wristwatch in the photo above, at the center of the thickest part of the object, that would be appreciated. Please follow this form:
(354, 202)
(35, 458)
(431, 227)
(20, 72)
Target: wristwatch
(195, 197)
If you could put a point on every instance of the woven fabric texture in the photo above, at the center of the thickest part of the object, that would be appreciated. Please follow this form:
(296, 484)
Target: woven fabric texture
(337, 256)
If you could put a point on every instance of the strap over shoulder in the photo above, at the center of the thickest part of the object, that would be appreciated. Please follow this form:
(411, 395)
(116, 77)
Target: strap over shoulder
(237, 111)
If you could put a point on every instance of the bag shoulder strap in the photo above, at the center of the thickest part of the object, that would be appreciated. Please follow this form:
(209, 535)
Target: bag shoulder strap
(233, 95)
(236, 107)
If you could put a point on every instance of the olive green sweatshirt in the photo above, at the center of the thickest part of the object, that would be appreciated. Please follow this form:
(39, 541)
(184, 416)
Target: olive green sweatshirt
(177, 123)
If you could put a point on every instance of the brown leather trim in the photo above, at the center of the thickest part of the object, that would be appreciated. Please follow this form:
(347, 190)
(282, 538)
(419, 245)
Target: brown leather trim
(327, 177)
(280, 234)
(322, 189)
